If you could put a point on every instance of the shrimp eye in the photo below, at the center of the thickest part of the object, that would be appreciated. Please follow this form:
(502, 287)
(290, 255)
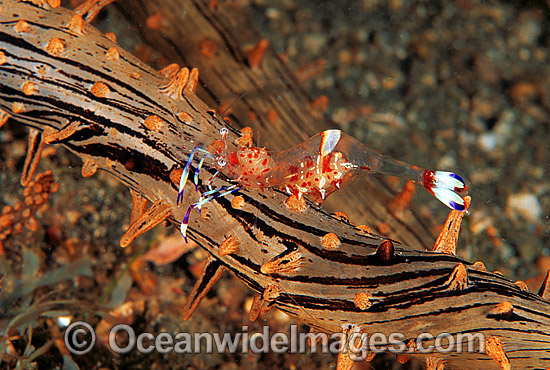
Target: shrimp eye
(223, 131)
(221, 161)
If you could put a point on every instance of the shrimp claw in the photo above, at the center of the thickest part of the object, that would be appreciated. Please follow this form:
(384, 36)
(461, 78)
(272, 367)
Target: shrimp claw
(217, 193)
(447, 187)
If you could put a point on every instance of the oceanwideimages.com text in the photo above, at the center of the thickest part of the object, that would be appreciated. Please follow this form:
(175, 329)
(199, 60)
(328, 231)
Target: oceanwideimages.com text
(80, 338)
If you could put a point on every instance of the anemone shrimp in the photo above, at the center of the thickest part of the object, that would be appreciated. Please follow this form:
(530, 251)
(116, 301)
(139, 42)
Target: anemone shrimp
(315, 168)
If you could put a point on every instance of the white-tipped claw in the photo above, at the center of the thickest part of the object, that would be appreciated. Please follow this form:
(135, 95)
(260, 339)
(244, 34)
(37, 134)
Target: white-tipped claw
(183, 230)
(185, 175)
(183, 181)
(185, 222)
(448, 180)
(329, 140)
(449, 198)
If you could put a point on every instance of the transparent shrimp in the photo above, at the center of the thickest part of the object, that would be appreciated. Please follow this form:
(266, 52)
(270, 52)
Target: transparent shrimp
(316, 168)
(326, 162)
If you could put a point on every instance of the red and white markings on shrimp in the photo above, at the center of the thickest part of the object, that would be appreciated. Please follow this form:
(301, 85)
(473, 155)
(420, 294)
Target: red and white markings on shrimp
(315, 168)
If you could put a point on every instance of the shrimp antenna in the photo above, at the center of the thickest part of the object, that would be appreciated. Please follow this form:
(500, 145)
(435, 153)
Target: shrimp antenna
(244, 94)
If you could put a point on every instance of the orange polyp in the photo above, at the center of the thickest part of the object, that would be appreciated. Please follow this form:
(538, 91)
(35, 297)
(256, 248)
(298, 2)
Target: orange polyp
(54, 3)
(156, 22)
(341, 216)
(252, 117)
(237, 202)
(309, 70)
(330, 241)
(111, 36)
(29, 88)
(447, 239)
(384, 228)
(185, 117)
(229, 246)
(362, 301)
(175, 176)
(3, 117)
(193, 81)
(154, 123)
(177, 84)
(170, 70)
(18, 107)
(76, 24)
(112, 54)
(100, 90)
(402, 200)
(494, 347)
(296, 204)
(256, 55)
(402, 359)
(273, 116)
(320, 104)
(22, 26)
(89, 9)
(209, 49)
(55, 47)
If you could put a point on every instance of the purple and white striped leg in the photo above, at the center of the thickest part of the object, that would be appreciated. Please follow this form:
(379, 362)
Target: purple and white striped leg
(187, 168)
(216, 193)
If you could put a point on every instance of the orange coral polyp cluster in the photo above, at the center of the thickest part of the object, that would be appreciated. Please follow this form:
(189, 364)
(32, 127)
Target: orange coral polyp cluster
(12, 219)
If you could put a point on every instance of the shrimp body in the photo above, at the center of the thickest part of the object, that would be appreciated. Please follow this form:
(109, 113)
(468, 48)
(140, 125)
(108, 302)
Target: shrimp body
(299, 172)
(316, 168)
(327, 161)
(250, 167)
(315, 176)
(306, 171)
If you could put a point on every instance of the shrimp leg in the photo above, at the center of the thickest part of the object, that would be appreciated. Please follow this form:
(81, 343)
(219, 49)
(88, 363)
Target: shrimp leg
(217, 193)
(187, 168)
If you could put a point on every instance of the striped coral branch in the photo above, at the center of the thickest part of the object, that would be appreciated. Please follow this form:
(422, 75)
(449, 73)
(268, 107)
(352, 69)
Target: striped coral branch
(125, 113)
